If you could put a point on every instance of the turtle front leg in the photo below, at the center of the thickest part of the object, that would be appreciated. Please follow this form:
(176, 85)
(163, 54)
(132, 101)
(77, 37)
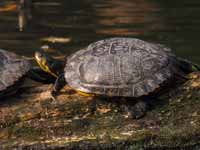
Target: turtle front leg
(37, 74)
(58, 85)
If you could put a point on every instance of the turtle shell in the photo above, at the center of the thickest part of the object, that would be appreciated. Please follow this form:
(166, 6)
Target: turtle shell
(12, 68)
(120, 67)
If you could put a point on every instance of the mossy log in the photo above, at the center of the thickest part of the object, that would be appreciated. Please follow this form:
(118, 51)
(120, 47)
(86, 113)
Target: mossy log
(31, 120)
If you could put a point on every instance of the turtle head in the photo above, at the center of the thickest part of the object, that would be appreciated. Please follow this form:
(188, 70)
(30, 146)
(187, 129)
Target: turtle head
(46, 63)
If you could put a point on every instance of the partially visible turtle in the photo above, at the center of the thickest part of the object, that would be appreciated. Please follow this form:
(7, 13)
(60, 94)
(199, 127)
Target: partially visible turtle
(13, 68)
(125, 67)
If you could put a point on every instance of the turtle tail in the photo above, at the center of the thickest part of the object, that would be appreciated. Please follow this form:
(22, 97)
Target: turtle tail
(187, 66)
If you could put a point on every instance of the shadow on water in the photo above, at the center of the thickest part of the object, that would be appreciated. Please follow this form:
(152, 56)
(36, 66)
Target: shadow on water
(175, 24)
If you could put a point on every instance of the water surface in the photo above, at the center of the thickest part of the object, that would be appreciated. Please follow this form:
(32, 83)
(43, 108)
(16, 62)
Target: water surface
(173, 23)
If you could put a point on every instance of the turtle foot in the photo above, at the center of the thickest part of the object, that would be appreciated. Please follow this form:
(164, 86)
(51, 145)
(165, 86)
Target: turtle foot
(53, 96)
(135, 111)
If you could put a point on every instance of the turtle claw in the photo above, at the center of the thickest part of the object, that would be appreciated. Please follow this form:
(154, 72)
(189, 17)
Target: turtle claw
(54, 100)
(53, 97)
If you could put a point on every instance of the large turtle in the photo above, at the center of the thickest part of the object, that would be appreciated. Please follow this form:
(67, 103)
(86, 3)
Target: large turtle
(12, 70)
(126, 67)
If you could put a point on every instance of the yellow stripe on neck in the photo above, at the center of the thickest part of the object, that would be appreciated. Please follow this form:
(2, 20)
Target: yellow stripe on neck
(43, 65)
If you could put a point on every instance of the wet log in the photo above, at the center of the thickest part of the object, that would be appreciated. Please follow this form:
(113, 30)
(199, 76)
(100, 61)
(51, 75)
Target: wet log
(31, 120)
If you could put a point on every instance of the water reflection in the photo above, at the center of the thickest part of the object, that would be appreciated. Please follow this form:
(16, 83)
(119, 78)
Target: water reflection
(175, 24)
(128, 18)
(24, 9)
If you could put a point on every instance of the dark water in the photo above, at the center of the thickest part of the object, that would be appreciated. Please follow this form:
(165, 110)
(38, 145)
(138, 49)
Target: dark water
(173, 23)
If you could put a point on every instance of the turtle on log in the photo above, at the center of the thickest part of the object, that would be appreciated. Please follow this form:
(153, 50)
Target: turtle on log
(13, 69)
(124, 67)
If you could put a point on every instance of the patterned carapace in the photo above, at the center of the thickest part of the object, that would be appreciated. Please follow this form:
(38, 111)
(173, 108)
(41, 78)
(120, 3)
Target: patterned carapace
(120, 67)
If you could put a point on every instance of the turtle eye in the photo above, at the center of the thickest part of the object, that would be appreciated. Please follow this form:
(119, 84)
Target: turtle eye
(38, 55)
